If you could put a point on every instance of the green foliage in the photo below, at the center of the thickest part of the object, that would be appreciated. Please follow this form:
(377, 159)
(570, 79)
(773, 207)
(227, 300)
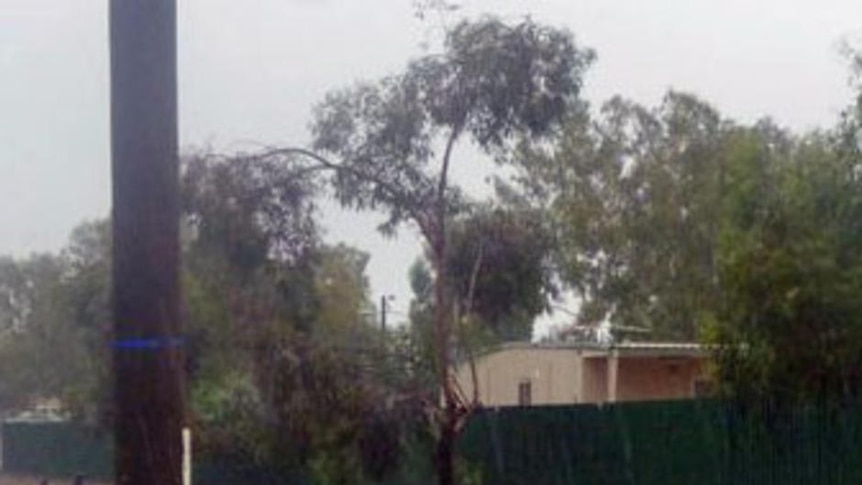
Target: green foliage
(286, 369)
(343, 291)
(248, 210)
(635, 198)
(791, 320)
(748, 238)
(276, 321)
(493, 82)
(499, 268)
(498, 81)
(27, 291)
(55, 321)
(336, 408)
(499, 271)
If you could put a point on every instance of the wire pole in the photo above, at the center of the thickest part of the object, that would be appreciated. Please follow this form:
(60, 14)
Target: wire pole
(147, 354)
(383, 312)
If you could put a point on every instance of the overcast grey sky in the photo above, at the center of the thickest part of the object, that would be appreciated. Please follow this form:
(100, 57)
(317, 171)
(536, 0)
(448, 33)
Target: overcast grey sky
(250, 71)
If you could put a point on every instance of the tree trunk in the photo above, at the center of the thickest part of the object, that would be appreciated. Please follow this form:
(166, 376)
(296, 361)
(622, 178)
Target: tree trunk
(445, 453)
(448, 419)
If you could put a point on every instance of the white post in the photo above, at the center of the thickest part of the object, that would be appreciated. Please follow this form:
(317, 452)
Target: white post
(187, 456)
(613, 370)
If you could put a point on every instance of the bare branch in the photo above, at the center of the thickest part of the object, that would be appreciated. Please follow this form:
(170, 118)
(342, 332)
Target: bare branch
(471, 291)
(444, 171)
(419, 217)
(474, 275)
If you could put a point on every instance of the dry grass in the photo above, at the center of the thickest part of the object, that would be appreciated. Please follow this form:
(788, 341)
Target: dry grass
(6, 479)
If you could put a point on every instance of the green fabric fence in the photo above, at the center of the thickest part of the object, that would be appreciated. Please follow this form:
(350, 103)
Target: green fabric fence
(56, 450)
(63, 450)
(659, 443)
(680, 442)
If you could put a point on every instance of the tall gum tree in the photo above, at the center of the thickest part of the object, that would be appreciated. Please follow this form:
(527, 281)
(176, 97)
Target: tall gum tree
(389, 145)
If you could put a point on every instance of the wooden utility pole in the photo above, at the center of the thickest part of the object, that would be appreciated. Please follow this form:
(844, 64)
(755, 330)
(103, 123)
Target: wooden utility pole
(383, 301)
(147, 345)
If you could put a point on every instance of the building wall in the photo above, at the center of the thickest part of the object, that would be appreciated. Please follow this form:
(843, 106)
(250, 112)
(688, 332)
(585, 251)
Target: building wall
(571, 376)
(554, 376)
(595, 380)
(655, 378)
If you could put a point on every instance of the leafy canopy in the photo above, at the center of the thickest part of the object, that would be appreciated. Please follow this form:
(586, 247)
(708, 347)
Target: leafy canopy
(493, 82)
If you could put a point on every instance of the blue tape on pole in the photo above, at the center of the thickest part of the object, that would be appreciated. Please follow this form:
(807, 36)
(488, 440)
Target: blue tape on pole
(149, 343)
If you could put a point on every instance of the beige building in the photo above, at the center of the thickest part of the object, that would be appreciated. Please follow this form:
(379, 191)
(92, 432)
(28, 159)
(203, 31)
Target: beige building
(572, 373)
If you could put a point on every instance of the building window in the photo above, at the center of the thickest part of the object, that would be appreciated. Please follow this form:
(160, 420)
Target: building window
(525, 393)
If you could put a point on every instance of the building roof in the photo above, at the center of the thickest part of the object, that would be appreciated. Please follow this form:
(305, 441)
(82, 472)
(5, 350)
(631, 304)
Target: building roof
(621, 348)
